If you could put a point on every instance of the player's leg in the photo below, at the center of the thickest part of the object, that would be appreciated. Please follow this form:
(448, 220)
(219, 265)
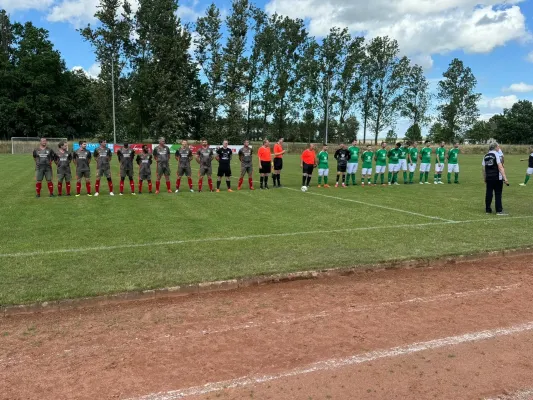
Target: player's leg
(219, 177)
(369, 176)
(529, 171)
(241, 178)
(159, 174)
(488, 196)
(309, 174)
(343, 172)
(376, 175)
(320, 175)
(210, 178)
(109, 181)
(250, 177)
(97, 183)
(228, 179)
(39, 176)
(338, 177)
(132, 182)
(389, 178)
(456, 170)
(354, 174)
(450, 170)
(122, 179)
(49, 176)
(326, 175)
(422, 173)
(140, 184)
(201, 174)
(179, 174)
(60, 178)
(167, 177)
(68, 178)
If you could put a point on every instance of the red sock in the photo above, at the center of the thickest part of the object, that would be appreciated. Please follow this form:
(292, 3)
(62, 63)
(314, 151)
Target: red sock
(210, 182)
(78, 187)
(60, 188)
(157, 185)
(68, 188)
(150, 186)
(87, 186)
(38, 187)
(190, 182)
(132, 186)
(51, 187)
(97, 186)
(240, 182)
(140, 186)
(121, 187)
(200, 184)
(178, 183)
(251, 182)
(168, 185)
(110, 185)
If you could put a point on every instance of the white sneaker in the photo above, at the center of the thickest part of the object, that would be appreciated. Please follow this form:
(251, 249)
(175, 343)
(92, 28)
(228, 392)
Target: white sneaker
(192, 190)
(522, 184)
(96, 194)
(177, 191)
(120, 194)
(134, 194)
(427, 183)
(111, 193)
(441, 183)
(390, 183)
(435, 183)
(396, 183)
(421, 183)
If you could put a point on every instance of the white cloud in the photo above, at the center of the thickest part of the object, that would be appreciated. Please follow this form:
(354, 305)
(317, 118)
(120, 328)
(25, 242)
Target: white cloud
(422, 27)
(78, 12)
(529, 57)
(188, 13)
(519, 88)
(497, 103)
(93, 71)
(425, 61)
(20, 5)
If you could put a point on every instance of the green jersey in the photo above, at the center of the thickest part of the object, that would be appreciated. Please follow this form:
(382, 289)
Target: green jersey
(403, 153)
(381, 157)
(453, 155)
(441, 153)
(367, 159)
(426, 155)
(323, 160)
(354, 154)
(394, 156)
(413, 151)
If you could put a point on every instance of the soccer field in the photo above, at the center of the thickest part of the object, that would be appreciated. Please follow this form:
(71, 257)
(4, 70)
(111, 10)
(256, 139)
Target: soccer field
(71, 247)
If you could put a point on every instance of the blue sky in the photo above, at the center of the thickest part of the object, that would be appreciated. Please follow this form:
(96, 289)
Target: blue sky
(491, 36)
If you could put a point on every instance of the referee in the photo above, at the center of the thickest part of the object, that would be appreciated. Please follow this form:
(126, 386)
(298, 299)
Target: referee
(308, 163)
(265, 163)
(278, 162)
(494, 177)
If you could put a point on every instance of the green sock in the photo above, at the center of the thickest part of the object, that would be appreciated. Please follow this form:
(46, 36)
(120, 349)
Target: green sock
(383, 178)
(527, 179)
(426, 176)
(368, 180)
(326, 180)
(404, 177)
(354, 179)
(319, 179)
(395, 177)
(435, 177)
(422, 177)
(411, 176)
(376, 178)
(457, 177)
(390, 177)
(440, 177)
(449, 177)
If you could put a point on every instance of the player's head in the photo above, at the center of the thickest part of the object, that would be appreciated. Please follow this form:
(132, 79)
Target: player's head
(383, 145)
(161, 141)
(266, 143)
(280, 141)
(83, 144)
(225, 144)
(247, 143)
(342, 146)
(456, 145)
(126, 145)
(43, 142)
(414, 144)
(145, 149)
(62, 145)
(184, 143)
(311, 146)
(102, 142)
(354, 142)
(427, 142)
(369, 147)
(442, 144)
(398, 145)
(325, 147)
(204, 143)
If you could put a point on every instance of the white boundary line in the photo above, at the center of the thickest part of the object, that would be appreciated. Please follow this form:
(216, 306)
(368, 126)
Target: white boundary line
(238, 238)
(337, 363)
(375, 205)
(526, 394)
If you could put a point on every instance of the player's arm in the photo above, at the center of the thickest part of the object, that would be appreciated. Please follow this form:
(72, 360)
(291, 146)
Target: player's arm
(75, 159)
(190, 155)
(120, 156)
(240, 155)
(138, 160)
(217, 157)
(279, 153)
(89, 157)
(302, 159)
(109, 155)
(349, 156)
(155, 155)
(197, 157)
(177, 155)
(336, 155)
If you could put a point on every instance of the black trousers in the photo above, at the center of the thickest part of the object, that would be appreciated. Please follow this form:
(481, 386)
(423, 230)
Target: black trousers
(496, 188)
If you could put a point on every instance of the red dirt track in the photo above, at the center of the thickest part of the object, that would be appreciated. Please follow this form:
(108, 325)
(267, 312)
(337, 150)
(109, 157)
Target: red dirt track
(153, 347)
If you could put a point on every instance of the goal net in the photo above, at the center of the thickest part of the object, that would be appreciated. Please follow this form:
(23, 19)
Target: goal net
(26, 145)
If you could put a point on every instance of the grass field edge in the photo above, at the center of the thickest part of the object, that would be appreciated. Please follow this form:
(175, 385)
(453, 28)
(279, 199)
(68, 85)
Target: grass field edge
(234, 284)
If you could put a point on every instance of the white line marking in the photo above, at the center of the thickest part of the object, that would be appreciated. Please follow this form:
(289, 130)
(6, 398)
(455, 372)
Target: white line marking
(336, 363)
(238, 238)
(376, 205)
(521, 395)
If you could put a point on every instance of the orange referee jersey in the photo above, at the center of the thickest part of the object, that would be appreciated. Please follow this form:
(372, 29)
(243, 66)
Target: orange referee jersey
(264, 154)
(278, 149)
(309, 157)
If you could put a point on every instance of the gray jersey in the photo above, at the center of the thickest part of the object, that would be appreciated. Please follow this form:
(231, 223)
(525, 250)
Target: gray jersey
(43, 157)
(162, 154)
(206, 156)
(63, 159)
(103, 156)
(144, 160)
(126, 157)
(82, 158)
(245, 155)
(184, 155)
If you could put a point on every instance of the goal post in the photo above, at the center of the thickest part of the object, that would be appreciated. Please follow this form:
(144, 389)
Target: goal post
(26, 145)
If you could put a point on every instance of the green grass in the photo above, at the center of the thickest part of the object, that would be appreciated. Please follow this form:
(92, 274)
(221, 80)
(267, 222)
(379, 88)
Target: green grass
(35, 225)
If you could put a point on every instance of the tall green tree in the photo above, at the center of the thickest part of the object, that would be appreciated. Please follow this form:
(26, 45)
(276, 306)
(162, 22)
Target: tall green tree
(390, 77)
(515, 125)
(479, 133)
(414, 133)
(416, 98)
(458, 109)
(7, 79)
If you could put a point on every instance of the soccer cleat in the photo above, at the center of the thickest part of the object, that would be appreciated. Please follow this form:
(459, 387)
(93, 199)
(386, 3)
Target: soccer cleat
(396, 183)
(267, 188)
(211, 191)
(150, 192)
(449, 183)
(229, 190)
(37, 196)
(501, 213)
(421, 183)
(111, 193)
(383, 184)
(51, 195)
(457, 183)
(522, 184)
(133, 193)
(169, 191)
(78, 195)
(441, 183)
(96, 194)
(191, 190)
(218, 190)
(252, 188)
(435, 183)
(157, 192)
(326, 186)
(336, 185)
(363, 184)
(59, 195)
(390, 183)
(426, 183)
(239, 188)
(140, 193)
(90, 195)
(319, 186)
(343, 185)
(121, 194)
(177, 191)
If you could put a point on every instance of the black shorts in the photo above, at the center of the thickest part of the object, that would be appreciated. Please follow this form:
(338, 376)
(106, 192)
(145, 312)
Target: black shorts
(278, 164)
(341, 168)
(224, 170)
(308, 169)
(266, 167)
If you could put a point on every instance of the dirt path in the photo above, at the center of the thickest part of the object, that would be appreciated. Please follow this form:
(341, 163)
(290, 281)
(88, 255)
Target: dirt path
(272, 338)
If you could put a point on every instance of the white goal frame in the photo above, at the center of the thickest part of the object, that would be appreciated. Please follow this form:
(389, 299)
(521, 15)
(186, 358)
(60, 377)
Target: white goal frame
(36, 140)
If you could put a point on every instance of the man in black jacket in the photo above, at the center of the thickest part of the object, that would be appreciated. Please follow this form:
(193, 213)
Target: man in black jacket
(494, 177)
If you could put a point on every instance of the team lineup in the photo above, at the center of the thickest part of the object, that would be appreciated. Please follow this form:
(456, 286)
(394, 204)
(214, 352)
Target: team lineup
(403, 158)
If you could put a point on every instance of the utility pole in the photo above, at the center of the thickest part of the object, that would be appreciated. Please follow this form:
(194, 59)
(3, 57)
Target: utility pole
(327, 105)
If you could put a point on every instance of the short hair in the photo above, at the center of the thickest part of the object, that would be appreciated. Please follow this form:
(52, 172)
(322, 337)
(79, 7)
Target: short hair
(126, 144)
(325, 144)
(398, 144)
(427, 141)
(493, 146)
(101, 141)
(161, 139)
(264, 141)
(81, 142)
(61, 144)
(203, 140)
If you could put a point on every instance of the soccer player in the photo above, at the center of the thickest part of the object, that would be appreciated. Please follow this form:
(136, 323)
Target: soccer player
(184, 157)
(43, 157)
(63, 159)
(394, 164)
(162, 158)
(144, 161)
(439, 164)
(278, 161)
(367, 157)
(529, 166)
(125, 159)
(103, 167)
(82, 159)
(223, 157)
(204, 157)
(402, 161)
(381, 163)
(453, 165)
(342, 155)
(323, 166)
(412, 158)
(245, 156)
(308, 163)
(425, 163)
(353, 163)
(265, 162)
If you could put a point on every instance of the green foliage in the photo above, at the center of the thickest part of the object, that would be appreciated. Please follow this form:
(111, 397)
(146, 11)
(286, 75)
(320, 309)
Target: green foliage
(416, 97)
(480, 132)
(414, 134)
(515, 125)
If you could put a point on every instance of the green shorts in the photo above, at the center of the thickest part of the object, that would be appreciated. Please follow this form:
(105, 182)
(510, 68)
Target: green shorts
(43, 172)
(83, 174)
(103, 171)
(163, 169)
(64, 175)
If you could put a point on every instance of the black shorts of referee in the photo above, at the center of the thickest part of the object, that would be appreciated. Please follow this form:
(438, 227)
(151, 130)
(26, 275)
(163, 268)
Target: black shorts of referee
(266, 167)
(224, 170)
(278, 164)
(308, 169)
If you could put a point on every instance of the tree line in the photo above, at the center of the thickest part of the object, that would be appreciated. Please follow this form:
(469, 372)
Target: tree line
(247, 75)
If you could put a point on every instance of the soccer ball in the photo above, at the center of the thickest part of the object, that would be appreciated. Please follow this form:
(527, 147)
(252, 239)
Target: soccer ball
(304, 189)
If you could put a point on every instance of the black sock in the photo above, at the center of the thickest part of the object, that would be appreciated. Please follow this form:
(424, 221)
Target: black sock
(338, 176)
(279, 183)
(266, 181)
(303, 180)
(261, 181)
(218, 184)
(343, 178)
(228, 183)
(308, 180)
